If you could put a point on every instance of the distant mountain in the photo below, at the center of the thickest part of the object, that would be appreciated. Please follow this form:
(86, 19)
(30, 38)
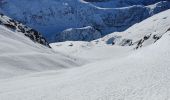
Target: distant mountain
(140, 35)
(78, 34)
(54, 17)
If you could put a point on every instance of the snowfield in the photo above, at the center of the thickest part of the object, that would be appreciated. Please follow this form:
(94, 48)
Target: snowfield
(103, 69)
(142, 75)
(20, 55)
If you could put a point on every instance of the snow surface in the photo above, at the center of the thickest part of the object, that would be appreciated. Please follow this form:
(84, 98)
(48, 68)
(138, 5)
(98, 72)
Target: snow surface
(142, 75)
(109, 72)
(19, 55)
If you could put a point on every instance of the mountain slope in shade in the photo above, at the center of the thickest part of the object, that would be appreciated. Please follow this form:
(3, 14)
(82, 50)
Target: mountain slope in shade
(52, 18)
(142, 74)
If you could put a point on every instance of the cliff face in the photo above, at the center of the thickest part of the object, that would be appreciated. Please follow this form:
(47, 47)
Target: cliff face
(51, 18)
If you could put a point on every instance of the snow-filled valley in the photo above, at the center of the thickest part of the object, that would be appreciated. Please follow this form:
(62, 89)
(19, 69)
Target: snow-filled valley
(133, 64)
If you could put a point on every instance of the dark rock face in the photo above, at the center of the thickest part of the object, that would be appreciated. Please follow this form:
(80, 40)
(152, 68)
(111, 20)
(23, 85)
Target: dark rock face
(168, 30)
(138, 43)
(17, 26)
(10, 26)
(127, 42)
(155, 38)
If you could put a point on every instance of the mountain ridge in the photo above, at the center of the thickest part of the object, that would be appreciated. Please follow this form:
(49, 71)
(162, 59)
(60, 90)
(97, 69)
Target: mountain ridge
(27, 31)
(53, 18)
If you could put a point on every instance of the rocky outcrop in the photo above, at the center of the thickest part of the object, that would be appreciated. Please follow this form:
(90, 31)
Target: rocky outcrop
(142, 34)
(118, 40)
(19, 27)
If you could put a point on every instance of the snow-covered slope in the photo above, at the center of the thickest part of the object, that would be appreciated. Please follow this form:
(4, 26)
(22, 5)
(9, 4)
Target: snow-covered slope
(142, 74)
(20, 55)
(141, 34)
(51, 18)
(19, 27)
